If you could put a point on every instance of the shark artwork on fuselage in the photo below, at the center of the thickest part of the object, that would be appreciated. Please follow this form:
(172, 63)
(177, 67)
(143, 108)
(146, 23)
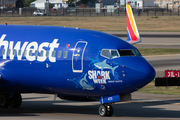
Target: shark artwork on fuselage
(84, 83)
(104, 65)
(99, 73)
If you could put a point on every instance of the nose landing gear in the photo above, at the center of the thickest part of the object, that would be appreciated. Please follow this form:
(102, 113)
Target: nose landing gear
(105, 110)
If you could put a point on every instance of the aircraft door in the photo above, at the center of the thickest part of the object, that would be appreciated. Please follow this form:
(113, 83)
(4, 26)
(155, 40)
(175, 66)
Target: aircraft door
(77, 57)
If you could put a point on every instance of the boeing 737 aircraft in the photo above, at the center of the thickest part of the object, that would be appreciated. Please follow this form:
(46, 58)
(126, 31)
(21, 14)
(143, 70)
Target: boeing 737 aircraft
(72, 63)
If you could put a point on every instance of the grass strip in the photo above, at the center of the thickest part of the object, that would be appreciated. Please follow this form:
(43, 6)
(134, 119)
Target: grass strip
(150, 88)
(109, 23)
(158, 51)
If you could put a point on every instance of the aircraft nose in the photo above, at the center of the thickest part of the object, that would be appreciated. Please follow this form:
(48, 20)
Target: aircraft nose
(137, 70)
(147, 71)
(140, 69)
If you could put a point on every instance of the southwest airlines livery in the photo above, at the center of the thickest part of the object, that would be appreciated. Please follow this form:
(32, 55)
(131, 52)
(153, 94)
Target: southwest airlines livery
(72, 63)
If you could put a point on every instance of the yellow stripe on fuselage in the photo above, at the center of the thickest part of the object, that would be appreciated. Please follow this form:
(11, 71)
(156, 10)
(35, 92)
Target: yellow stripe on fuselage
(131, 19)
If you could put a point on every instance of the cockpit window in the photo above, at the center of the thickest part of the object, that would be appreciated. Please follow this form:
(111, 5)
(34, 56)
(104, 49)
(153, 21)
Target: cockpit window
(114, 54)
(105, 53)
(126, 52)
(131, 52)
(119, 53)
(137, 53)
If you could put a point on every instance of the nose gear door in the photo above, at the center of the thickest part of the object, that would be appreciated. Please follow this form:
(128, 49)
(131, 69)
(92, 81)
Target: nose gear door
(77, 57)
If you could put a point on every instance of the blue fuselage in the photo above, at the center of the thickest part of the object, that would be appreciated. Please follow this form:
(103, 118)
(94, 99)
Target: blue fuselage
(44, 59)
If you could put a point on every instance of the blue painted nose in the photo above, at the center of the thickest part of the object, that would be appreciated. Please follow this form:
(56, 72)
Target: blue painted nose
(144, 74)
(140, 70)
(147, 72)
(137, 73)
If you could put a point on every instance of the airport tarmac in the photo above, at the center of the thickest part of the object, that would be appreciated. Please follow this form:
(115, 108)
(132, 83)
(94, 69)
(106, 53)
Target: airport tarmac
(164, 62)
(143, 105)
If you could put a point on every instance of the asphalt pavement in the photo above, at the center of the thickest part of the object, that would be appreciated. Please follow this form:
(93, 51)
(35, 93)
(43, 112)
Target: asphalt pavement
(164, 62)
(143, 106)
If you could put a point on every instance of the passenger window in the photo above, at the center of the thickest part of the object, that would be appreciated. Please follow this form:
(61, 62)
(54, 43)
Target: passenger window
(65, 54)
(53, 53)
(59, 54)
(9, 51)
(25, 52)
(30, 53)
(47, 53)
(105, 53)
(126, 53)
(36, 53)
(114, 54)
(14, 52)
(19, 52)
(41, 54)
(3, 51)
